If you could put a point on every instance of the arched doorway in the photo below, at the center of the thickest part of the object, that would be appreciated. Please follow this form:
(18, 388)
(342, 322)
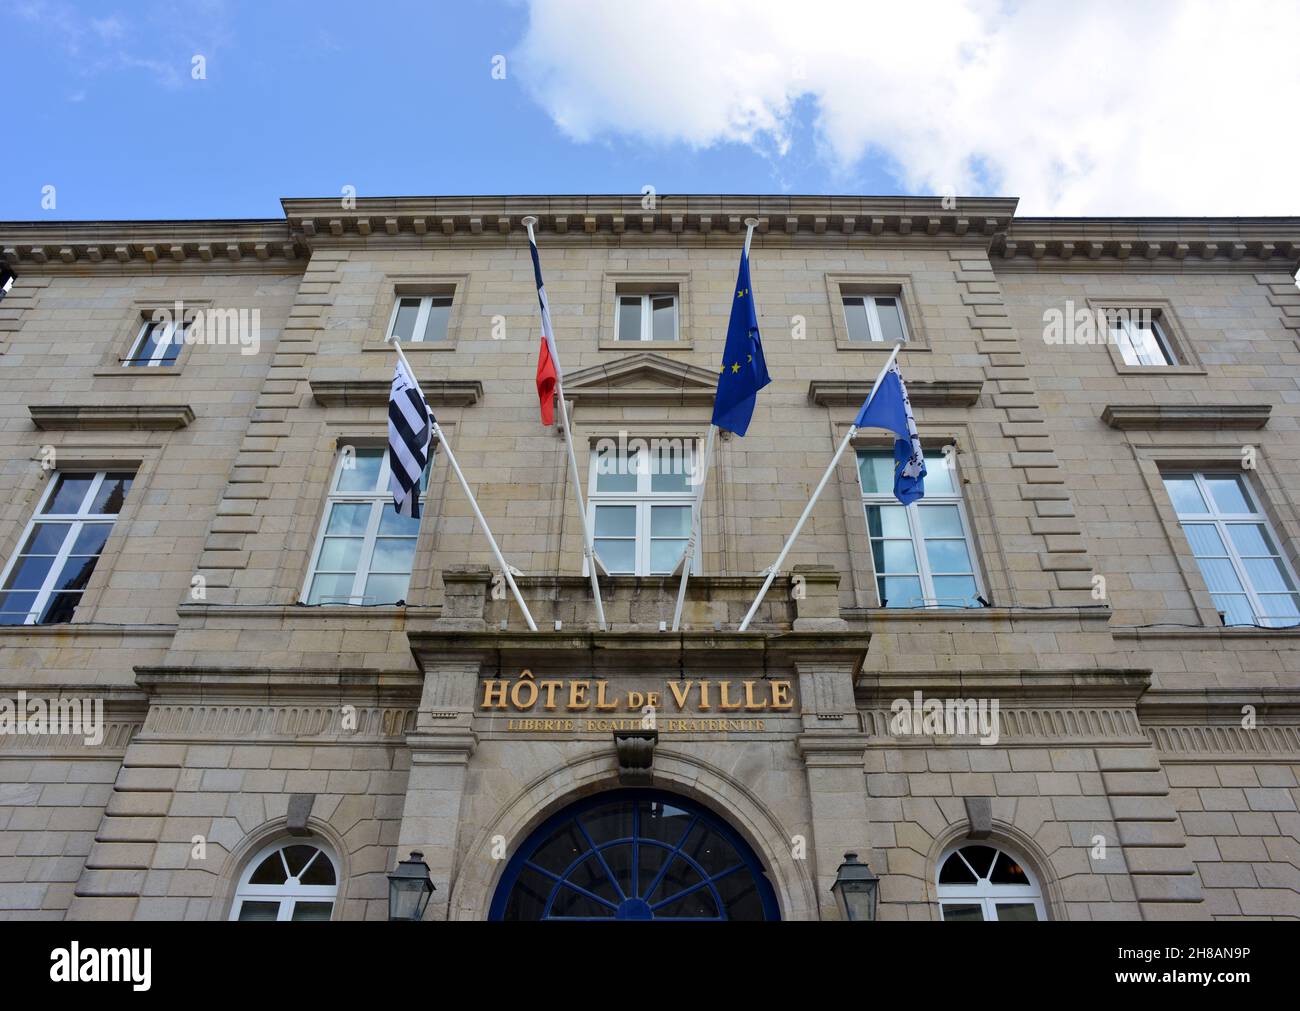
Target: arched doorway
(634, 855)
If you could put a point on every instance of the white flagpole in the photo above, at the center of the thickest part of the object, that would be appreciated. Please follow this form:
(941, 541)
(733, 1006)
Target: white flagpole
(807, 510)
(696, 513)
(496, 551)
(689, 557)
(588, 546)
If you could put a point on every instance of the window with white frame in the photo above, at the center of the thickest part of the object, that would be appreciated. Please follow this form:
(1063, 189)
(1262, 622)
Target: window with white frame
(6, 281)
(642, 497)
(1140, 337)
(60, 547)
(874, 318)
(420, 319)
(364, 550)
(295, 880)
(1235, 548)
(922, 552)
(158, 343)
(646, 317)
(986, 883)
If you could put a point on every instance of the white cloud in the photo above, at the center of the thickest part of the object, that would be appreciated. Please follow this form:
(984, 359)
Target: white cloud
(1100, 107)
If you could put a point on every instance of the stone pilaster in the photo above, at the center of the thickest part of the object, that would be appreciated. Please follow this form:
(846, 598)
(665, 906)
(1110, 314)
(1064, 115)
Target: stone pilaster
(833, 747)
(440, 753)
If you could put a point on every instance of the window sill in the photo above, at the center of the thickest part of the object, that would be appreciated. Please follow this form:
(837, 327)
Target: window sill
(1160, 370)
(844, 344)
(142, 371)
(282, 612)
(609, 344)
(1207, 632)
(416, 346)
(67, 628)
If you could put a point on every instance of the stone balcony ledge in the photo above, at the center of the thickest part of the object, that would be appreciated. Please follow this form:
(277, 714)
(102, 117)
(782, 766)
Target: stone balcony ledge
(806, 600)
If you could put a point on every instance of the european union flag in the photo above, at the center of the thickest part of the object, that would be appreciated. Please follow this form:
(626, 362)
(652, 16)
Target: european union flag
(890, 408)
(744, 372)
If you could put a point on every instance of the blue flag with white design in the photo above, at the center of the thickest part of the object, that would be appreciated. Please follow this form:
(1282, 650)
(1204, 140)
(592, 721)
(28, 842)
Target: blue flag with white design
(744, 372)
(889, 408)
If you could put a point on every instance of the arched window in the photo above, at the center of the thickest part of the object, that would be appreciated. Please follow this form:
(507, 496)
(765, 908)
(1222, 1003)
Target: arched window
(288, 881)
(978, 881)
(634, 854)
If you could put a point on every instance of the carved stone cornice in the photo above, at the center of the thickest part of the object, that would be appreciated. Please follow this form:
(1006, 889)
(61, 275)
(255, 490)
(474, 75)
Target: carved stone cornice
(1184, 416)
(104, 417)
(931, 393)
(672, 218)
(117, 736)
(1098, 706)
(1199, 743)
(322, 723)
(203, 246)
(1023, 724)
(1219, 705)
(248, 704)
(1162, 244)
(1223, 724)
(123, 713)
(245, 684)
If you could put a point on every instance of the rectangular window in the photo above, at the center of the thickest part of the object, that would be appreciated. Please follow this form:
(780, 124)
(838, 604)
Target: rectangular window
(364, 550)
(1235, 549)
(922, 552)
(158, 343)
(877, 318)
(641, 501)
(1140, 338)
(649, 317)
(60, 547)
(420, 319)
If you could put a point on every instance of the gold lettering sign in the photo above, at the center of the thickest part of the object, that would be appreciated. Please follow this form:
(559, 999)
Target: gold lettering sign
(579, 696)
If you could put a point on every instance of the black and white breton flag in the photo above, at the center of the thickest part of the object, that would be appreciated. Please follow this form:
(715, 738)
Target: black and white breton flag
(410, 431)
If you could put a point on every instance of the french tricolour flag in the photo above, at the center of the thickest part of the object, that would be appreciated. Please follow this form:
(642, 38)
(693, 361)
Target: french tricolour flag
(548, 359)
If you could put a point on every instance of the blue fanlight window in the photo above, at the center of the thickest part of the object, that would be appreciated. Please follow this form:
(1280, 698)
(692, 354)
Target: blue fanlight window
(635, 855)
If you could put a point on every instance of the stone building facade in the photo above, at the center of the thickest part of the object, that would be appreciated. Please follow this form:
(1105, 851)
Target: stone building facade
(255, 692)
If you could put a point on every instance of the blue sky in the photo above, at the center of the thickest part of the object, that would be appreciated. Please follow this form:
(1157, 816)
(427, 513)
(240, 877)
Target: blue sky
(303, 98)
(393, 97)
